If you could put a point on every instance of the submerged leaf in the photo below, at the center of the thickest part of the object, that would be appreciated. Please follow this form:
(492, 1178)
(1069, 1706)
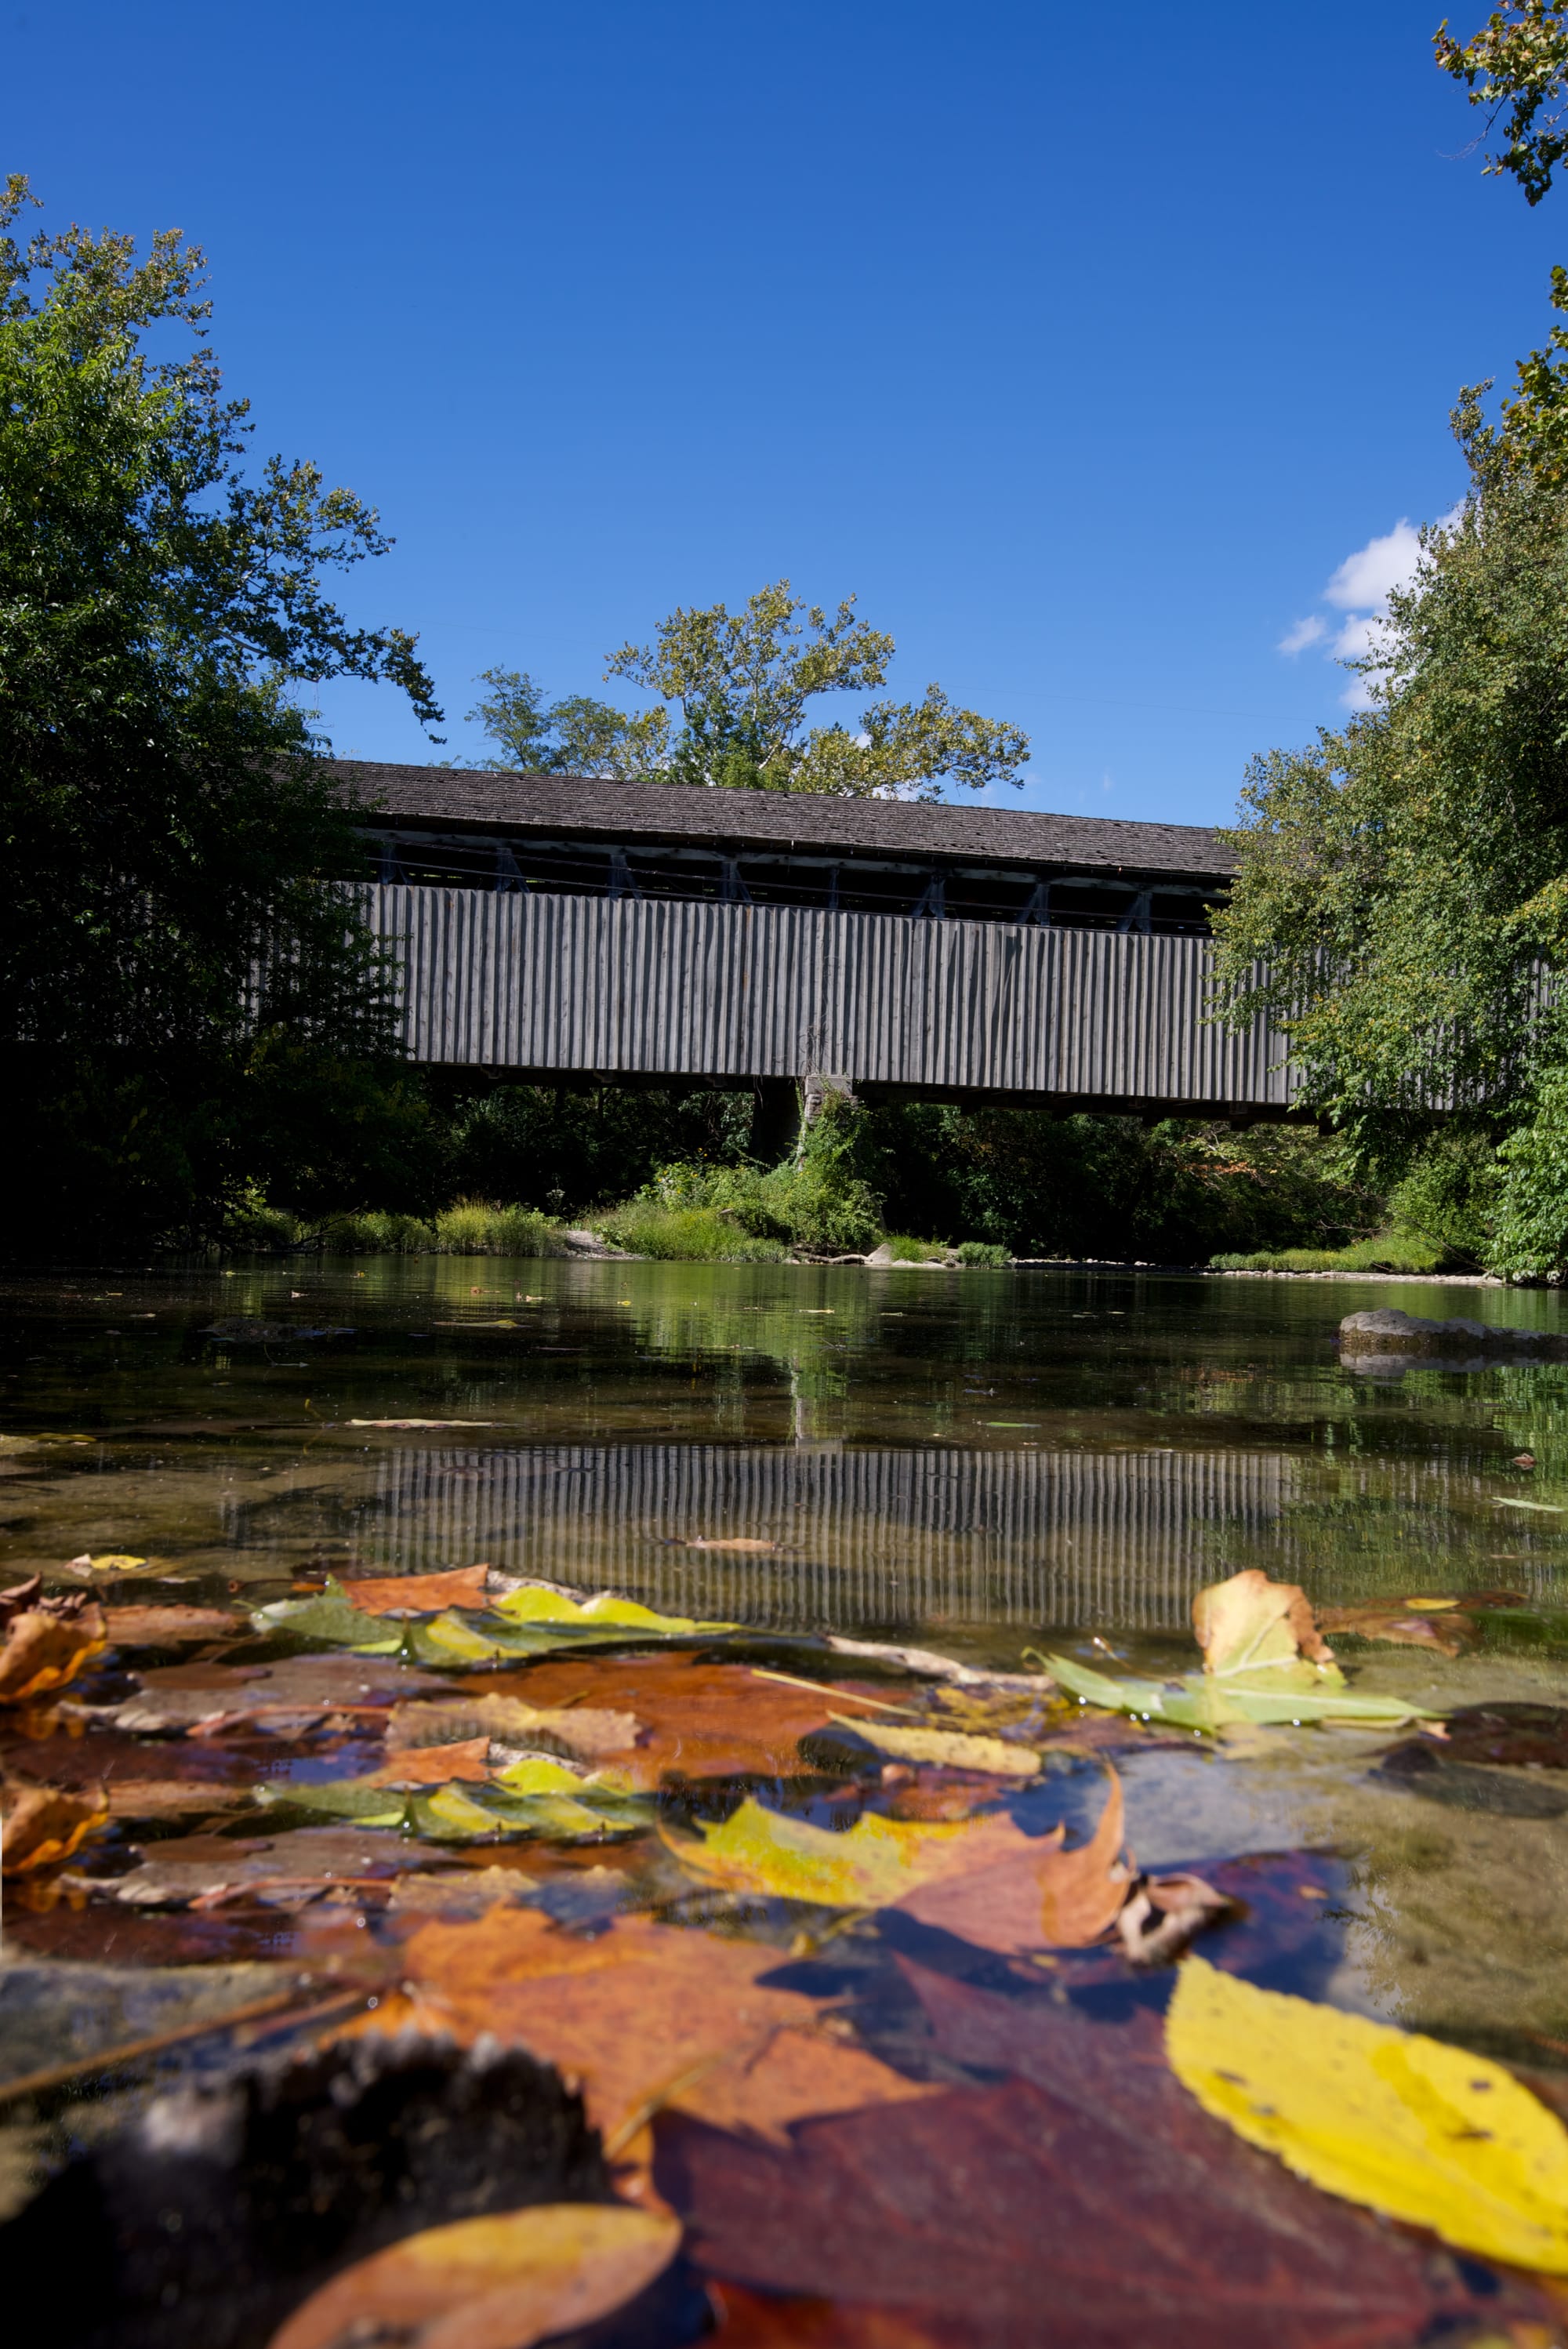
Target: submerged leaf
(950, 1748)
(1423, 2132)
(1038, 1896)
(400, 1594)
(501, 2282)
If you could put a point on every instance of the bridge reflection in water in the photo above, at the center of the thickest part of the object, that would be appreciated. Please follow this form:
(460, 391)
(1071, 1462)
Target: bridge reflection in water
(867, 1537)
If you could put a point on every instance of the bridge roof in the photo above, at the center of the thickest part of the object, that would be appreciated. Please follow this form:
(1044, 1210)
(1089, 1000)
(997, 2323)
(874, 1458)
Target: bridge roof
(812, 822)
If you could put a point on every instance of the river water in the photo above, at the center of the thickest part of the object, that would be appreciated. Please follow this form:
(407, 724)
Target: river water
(982, 1462)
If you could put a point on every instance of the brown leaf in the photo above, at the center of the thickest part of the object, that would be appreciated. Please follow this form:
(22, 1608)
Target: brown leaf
(432, 1766)
(755, 2320)
(45, 1646)
(1250, 1619)
(644, 2015)
(211, 1869)
(418, 1594)
(587, 1731)
(746, 1542)
(43, 1826)
(501, 2282)
(1042, 1897)
(698, 1718)
(795, 2075)
(1450, 1632)
(169, 1627)
(170, 1798)
(280, 1698)
(1166, 1914)
(1085, 2201)
(1524, 1735)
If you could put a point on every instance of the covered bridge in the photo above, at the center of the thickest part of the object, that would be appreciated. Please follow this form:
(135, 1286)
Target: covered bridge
(548, 927)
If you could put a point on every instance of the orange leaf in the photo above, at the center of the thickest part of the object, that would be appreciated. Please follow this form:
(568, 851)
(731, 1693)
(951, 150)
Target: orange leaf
(1250, 1619)
(501, 2282)
(1041, 1897)
(43, 1827)
(645, 2015)
(432, 1766)
(418, 1594)
(44, 1650)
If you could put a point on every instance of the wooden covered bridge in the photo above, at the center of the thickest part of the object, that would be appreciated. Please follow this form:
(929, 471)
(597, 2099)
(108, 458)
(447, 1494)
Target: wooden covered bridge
(550, 927)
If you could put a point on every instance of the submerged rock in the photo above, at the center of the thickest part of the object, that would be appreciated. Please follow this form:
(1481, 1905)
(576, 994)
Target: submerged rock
(1386, 1330)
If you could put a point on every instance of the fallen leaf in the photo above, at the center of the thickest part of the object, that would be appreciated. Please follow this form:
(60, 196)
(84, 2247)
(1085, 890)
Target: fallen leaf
(949, 1748)
(112, 1562)
(1085, 2201)
(793, 2075)
(170, 1798)
(1250, 1622)
(547, 1603)
(280, 1698)
(755, 2320)
(743, 1542)
(403, 1594)
(41, 1825)
(871, 1864)
(304, 1865)
(644, 2015)
(431, 1422)
(1407, 2126)
(45, 1642)
(1039, 1896)
(1528, 1735)
(169, 1627)
(1441, 1627)
(1205, 1701)
(501, 2282)
(1165, 1914)
(698, 1717)
(433, 1765)
(588, 1730)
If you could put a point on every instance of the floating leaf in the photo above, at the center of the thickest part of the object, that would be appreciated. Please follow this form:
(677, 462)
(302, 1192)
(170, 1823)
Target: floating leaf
(433, 1765)
(402, 1594)
(1430, 1624)
(1199, 1701)
(42, 1826)
(585, 1729)
(167, 1626)
(873, 1865)
(1406, 2124)
(501, 2282)
(546, 1603)
(1084, 2199)
(45, 1642)
(950, 1748)
(644, 2015)
(1249, 1623)
(1038, 1896)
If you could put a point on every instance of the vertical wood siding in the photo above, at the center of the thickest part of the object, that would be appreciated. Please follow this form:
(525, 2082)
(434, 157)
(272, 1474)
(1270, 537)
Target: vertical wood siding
(666, 987)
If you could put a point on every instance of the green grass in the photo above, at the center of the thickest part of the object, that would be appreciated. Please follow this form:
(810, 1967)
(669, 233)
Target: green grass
(684, 1235)
(1383, 1252)
(471, 1228)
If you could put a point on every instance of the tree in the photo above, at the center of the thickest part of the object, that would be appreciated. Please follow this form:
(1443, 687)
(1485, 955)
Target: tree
(577, 736)
(186, 1005)
(1517, 68)
(743, 682)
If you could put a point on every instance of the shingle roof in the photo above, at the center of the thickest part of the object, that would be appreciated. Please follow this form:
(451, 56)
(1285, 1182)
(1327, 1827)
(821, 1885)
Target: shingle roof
(566, 804)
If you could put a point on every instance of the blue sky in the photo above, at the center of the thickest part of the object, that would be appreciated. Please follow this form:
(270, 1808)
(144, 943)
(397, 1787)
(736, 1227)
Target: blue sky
(1086, 346)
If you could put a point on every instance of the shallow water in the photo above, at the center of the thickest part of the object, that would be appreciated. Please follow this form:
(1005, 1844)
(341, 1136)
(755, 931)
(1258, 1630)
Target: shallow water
(982, 1462)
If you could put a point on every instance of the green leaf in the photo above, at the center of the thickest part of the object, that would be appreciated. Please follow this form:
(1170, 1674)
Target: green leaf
(1272, 1694)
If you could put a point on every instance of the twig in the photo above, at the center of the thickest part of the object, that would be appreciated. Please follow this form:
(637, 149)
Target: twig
(60, 2076)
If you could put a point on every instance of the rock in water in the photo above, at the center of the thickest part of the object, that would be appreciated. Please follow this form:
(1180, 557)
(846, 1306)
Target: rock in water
(1385, 1331)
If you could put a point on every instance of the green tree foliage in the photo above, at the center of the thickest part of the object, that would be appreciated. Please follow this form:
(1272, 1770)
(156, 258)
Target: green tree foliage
(743, 682)
(183, 1005)
(1516, 67)
(577, 736)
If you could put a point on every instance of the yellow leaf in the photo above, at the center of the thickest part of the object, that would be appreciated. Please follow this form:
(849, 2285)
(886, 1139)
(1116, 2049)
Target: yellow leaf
(536, 1774)
(1250, 1622)
(1403, 2124)
(536, 1605)
(491, 2283)
(952, 1747)
(871, 1864)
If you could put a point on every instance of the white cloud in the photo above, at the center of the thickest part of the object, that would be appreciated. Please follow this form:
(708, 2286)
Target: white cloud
(1365, 580)
(1297, 638)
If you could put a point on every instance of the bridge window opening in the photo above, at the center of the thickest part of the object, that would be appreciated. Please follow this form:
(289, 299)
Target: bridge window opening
(492, 860)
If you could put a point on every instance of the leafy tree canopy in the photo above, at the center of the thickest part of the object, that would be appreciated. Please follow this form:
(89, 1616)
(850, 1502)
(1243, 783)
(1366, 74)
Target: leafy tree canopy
(742, 682)
(1516, 67)
(183, 1005)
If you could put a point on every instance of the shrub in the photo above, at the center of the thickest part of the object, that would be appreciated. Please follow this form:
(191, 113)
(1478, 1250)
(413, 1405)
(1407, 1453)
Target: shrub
(692, 1235)
(1383, 1252)
(981, 1252)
